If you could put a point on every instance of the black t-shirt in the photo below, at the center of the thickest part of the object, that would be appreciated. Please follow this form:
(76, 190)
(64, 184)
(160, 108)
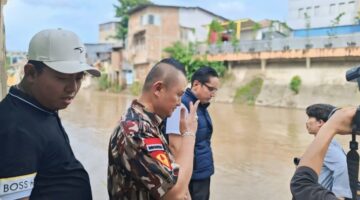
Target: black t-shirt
(35, 153)
(305, 186)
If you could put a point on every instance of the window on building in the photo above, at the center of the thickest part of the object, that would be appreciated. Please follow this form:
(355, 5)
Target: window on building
(316, 10)
(351, 5)
(187, 34)
(341, 7)
(183, 34)
(332, 8)
(151, 19)
(139, 40)
(300, 12)
(308, 11)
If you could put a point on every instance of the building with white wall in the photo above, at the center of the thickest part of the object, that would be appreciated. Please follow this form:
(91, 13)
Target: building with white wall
(321, 13)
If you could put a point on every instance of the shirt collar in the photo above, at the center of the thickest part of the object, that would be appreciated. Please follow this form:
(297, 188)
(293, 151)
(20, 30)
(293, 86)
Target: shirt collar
(193, 98)
(154, 118)
(26, 99)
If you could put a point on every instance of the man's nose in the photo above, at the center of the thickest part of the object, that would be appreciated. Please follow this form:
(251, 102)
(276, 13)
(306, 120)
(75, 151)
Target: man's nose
(71, 85)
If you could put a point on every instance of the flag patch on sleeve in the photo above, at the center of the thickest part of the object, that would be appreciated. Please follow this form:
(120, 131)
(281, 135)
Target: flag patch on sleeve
(153, 144)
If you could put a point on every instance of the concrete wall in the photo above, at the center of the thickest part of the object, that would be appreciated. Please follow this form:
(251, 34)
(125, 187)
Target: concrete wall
(3, 87)
(321, 12)
(324, 82)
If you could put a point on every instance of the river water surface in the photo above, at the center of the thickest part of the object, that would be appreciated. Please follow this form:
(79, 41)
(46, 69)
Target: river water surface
(253, 146)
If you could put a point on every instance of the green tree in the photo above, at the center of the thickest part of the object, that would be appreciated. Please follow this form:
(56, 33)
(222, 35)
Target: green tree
(122, 11)
(215, 27)
(185, 55)
(232, 30)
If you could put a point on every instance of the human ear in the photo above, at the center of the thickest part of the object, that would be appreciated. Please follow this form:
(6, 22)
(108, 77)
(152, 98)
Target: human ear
(321, 122)
(196, 83)
(30, 71)
(157, 87)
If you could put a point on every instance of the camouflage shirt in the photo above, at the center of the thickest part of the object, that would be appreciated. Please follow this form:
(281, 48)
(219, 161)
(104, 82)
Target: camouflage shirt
(140, 163)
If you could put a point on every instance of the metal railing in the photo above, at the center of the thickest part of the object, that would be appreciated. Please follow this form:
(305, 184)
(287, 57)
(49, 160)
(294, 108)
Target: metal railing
(291, 43)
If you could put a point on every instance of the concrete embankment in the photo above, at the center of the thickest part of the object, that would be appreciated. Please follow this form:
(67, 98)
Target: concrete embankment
(323, 82)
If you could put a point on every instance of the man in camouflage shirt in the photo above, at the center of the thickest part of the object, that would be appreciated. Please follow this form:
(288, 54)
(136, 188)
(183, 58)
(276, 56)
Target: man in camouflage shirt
(141, 165)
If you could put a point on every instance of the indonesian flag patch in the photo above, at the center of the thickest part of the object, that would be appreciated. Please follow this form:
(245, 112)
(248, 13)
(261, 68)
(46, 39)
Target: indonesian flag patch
(153, 144)
(156, 149)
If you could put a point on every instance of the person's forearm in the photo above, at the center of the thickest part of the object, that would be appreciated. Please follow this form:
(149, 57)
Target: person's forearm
(185, 159)
(174, 150)
(175, 142)
(315, 153)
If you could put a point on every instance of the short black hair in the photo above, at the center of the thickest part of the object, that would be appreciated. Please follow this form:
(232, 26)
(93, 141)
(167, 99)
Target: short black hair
(39, 66)
(320, 111)
(156, 72)
(175, 63)
(203, 74)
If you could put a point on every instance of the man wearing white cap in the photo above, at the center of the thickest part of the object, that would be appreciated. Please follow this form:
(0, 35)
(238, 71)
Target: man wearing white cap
(36, 160)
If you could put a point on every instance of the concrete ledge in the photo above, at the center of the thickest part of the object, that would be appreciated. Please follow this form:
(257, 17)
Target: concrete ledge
(289, 54)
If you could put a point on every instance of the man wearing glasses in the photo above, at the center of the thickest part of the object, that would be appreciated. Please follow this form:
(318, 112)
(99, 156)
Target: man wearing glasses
(204, 85)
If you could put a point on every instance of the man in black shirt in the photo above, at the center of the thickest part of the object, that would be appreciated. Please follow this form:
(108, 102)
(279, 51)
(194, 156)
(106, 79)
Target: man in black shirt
(36, 160)
(304, 183)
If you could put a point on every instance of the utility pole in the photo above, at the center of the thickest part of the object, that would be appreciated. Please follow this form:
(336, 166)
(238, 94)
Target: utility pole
(3, 77)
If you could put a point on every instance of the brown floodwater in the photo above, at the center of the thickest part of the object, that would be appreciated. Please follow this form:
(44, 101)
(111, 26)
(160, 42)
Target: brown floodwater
(253, 146)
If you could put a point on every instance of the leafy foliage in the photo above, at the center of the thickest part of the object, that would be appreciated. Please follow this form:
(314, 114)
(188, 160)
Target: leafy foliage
(185, 55)
(335, 22)
(249, 92)
(122, 11)
(104, 84)
(135, 88)
(295, 84)
(215, 28)
(232, 29)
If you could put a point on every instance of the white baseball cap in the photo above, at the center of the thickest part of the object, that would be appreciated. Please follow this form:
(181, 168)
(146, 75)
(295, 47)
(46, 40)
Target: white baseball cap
(60, 50)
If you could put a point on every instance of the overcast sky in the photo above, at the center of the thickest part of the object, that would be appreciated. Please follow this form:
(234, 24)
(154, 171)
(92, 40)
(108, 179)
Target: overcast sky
(23, 18)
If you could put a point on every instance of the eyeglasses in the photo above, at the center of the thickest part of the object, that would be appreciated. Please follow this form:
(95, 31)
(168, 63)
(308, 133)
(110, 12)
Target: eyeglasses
(210, 88)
